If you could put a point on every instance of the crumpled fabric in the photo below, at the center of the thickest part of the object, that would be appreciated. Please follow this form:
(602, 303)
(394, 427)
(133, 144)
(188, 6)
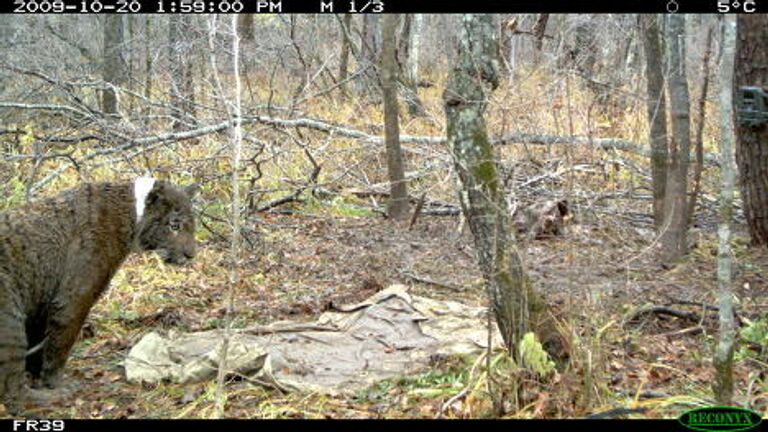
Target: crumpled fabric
(392, 333)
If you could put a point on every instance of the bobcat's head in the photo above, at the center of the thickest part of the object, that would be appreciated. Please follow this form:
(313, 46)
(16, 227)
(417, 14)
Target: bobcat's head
(166, 223)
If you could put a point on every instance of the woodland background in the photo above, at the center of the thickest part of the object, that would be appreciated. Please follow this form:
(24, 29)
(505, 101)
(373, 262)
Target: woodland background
(289, 123)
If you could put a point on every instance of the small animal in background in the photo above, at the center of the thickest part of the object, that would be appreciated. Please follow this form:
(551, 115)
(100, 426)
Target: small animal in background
(58, 255)
(542, 219)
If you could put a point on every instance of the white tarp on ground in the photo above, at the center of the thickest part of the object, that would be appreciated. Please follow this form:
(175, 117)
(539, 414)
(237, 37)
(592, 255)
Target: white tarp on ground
(390, 334)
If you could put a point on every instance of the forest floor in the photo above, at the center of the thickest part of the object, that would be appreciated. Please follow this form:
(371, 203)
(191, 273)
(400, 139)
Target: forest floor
(596, 277)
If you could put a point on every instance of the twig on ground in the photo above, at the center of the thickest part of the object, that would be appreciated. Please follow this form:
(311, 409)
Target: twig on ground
(662, 310)
(425, 280)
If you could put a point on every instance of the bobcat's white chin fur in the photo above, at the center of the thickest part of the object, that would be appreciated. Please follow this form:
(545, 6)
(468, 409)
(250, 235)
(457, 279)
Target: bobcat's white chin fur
(141, 188)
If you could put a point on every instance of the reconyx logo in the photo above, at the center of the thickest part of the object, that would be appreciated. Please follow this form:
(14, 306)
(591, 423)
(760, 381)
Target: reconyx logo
(720, 418)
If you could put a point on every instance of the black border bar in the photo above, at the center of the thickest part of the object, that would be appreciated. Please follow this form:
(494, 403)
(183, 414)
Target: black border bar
(381, 6)
(39, 425)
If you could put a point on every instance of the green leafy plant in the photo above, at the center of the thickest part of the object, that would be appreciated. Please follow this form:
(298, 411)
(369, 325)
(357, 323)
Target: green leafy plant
(534, 357)
(16, 191)
(340, 206)
(756, 333)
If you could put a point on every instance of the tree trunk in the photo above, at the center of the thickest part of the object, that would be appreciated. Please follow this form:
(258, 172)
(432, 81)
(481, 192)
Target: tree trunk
(148, 72)
(507, 24)
(132, 54)
(538, 31)
(415, 43)
(752, 142)
(346, 30)
(474, 75)
(701, 116)
(397, 207)
(130, 50)
(6, 28)
(367, 84)
(585, 48)
(372, 36)
(403, 38)
(409, 84)
(674, 238)
(657, 113)
(113, 67)
(236, 220)
(723, 358)
(245, 27)
(180, 70)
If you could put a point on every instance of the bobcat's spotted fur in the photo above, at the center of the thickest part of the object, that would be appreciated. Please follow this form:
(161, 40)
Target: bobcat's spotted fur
(57, 257)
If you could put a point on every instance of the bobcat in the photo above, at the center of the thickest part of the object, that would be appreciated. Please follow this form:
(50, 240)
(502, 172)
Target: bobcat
(57, 257)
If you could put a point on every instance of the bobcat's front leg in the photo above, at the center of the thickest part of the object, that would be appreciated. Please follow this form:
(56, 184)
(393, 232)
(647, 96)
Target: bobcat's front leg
(64, 324)
(63, 330)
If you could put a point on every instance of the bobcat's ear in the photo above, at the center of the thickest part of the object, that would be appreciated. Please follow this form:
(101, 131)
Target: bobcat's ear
(191, 190)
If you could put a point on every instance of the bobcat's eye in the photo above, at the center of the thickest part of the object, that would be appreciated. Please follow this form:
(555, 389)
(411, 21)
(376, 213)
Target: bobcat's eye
(175, 226)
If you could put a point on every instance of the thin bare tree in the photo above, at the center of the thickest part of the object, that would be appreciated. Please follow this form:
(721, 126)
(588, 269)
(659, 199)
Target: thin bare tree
(148, 61)
(414, 59)
(397, 207)
(346, 42)
(656, 108)
(180, 71)
(367, 84)
(723, 358)
(113, 67)
(234, 112)
(674, 236)
(245, 27)
(701, 115)
(539, 30)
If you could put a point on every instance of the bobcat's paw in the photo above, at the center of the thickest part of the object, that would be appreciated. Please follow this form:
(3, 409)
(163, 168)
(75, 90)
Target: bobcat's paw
(48, 396)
